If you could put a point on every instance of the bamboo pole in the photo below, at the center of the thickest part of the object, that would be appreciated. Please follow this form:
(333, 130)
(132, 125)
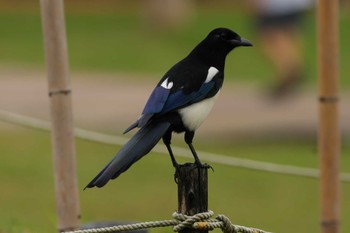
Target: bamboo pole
(328, 138)
(67, 202)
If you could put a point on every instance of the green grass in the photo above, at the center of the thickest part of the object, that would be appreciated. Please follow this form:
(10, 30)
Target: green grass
(120, 41)
(279, 203)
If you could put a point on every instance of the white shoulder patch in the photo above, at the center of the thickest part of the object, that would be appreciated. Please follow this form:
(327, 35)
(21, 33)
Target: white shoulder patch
(167, 85)
(211, 73)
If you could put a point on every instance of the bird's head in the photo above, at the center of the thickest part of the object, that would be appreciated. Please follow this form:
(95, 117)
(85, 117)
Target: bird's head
(219, 43)
(225, 38)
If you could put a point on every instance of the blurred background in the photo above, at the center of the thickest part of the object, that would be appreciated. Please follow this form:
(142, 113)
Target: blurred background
(118, 50)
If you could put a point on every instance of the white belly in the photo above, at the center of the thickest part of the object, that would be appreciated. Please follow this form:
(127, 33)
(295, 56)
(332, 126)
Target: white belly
(195, 114)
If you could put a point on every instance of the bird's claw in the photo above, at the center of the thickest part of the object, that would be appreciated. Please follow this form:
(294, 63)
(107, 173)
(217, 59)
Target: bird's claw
(194, 165)
(198, 164)
(176, 174)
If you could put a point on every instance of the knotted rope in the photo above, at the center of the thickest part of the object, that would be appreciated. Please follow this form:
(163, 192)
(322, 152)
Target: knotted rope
(200, 221)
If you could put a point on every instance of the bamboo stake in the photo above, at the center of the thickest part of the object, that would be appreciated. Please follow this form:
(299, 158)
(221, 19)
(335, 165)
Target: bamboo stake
(67, 201)
(329, 138)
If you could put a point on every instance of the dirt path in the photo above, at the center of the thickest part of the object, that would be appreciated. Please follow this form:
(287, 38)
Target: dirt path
(110, 102)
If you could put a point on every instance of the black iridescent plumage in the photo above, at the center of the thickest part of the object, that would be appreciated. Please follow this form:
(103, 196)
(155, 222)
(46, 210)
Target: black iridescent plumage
(179, 103)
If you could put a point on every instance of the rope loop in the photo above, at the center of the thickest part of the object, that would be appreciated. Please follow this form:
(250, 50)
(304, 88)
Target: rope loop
(228, 227)
(186, 221)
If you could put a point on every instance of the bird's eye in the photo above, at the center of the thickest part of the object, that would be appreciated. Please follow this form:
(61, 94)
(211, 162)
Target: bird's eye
(224, 36)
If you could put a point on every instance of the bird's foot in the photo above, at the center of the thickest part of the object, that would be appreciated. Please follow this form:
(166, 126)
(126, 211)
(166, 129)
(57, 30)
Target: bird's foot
(195, 165)
(198, 164)
(176, 174)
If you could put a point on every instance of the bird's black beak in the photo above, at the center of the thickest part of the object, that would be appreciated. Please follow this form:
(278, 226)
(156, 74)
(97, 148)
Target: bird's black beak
(245, 42)
(240, 42)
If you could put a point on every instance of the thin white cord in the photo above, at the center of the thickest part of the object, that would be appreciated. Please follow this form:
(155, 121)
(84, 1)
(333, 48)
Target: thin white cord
(35, 123)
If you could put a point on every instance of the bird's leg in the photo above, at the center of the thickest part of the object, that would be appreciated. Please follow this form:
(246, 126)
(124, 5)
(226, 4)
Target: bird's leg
(188, 139)
(167, 142)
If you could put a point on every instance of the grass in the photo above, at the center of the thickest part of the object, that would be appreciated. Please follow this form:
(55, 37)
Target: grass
(120, 40)
(279, 203)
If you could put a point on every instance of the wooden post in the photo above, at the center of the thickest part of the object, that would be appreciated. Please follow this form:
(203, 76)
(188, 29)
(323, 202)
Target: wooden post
(67, 201)
(192, 191)
(328, 138)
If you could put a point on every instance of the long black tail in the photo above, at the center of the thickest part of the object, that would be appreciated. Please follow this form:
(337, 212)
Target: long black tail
(138, 146)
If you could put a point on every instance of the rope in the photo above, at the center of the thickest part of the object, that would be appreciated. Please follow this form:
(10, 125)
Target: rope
(181, 152)
(200, 221)
(128, 227)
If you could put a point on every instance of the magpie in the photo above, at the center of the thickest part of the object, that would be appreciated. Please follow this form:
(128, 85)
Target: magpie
(179, 103)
